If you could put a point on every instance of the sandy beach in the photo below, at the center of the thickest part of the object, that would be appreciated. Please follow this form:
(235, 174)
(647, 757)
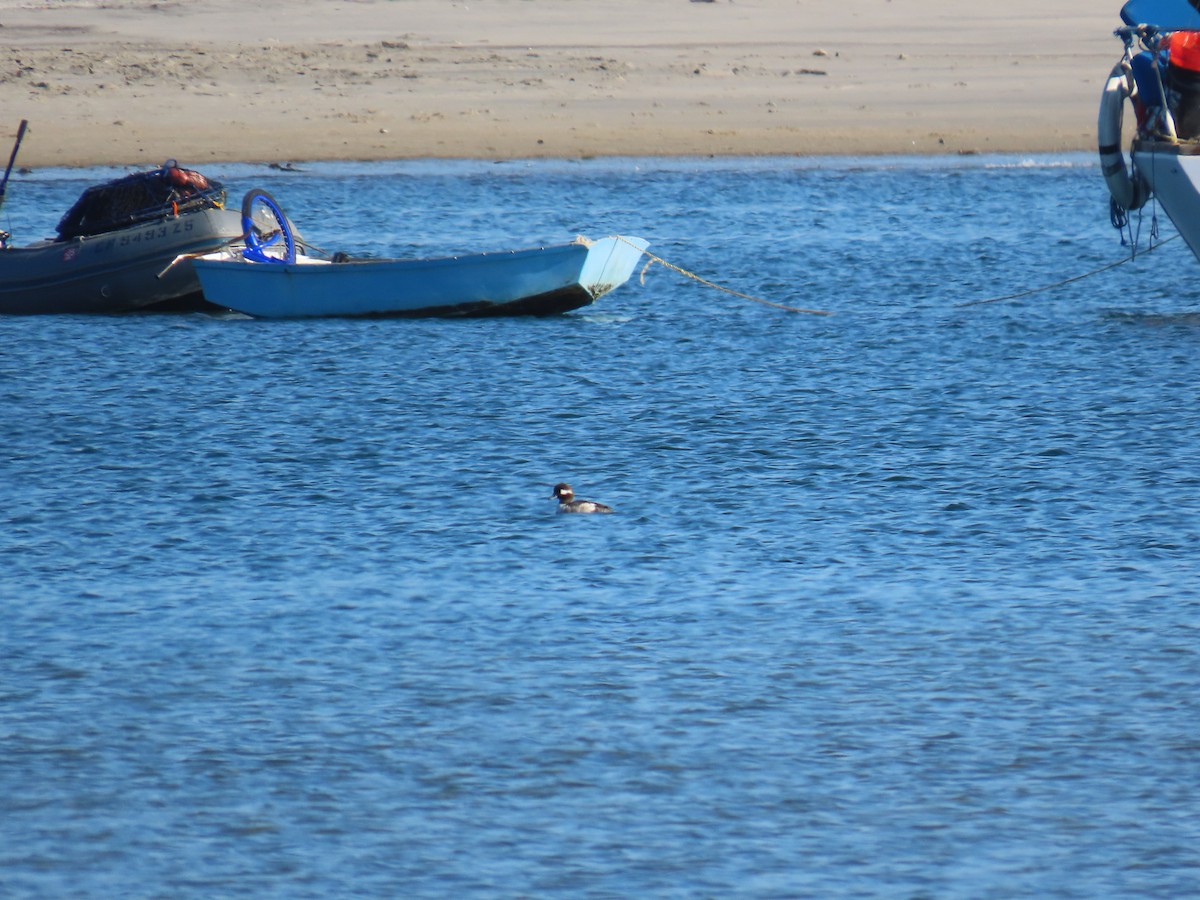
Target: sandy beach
(133, 82)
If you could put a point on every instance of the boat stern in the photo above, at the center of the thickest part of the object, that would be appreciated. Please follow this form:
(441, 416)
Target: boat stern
(1173, 173)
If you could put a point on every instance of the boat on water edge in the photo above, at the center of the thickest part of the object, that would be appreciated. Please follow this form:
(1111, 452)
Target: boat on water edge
(270, 278)
(1159, 75)
(114, 244)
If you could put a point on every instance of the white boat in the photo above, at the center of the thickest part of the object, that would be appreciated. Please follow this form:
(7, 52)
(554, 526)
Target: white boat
(269, 278)
(1159, 76)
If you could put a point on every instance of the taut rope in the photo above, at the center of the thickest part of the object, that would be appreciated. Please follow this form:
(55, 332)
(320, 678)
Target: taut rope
(1048, 287)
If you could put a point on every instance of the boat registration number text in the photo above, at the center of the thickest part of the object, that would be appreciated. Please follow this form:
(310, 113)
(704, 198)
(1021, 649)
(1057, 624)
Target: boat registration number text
(145, 235)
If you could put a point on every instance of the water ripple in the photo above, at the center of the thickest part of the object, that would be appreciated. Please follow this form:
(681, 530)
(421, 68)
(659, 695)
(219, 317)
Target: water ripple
(901, 601)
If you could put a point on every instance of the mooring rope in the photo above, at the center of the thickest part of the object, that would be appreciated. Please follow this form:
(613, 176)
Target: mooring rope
(704, 281)
(1065, 281)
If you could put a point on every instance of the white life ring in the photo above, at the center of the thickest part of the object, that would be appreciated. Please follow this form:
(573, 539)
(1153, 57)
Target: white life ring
(1128, 188)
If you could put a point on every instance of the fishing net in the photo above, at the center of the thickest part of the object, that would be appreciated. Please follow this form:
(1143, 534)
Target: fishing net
(141, 197)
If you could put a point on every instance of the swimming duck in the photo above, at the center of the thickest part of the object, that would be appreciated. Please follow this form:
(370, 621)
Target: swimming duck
(568, 504)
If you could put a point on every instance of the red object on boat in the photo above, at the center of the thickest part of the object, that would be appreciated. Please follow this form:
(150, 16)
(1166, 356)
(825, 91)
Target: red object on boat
(1184, 48)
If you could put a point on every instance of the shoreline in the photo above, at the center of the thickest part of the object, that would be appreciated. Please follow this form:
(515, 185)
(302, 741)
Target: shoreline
(1078, 157)
(110, 82)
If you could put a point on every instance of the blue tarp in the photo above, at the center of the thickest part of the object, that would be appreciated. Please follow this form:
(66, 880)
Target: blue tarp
(1168, 15)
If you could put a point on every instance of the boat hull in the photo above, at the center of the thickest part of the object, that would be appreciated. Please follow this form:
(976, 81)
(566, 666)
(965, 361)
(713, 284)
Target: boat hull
(117, 271)
(541, 281)
(1173, 173)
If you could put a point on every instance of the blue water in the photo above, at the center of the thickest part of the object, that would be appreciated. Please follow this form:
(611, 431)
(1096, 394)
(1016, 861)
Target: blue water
(903, 601)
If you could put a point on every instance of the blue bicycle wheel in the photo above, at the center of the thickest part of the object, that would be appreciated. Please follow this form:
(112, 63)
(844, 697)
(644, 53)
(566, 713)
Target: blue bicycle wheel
(264, 225)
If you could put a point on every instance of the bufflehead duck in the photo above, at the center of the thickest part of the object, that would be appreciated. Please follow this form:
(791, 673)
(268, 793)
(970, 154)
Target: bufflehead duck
(568, 504)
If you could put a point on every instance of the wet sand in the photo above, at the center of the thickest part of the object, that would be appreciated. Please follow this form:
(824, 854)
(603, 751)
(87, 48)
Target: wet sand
(130, 82)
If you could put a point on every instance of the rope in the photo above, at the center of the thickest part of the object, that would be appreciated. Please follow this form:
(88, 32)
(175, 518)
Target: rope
(1065, 281)
(704, 281)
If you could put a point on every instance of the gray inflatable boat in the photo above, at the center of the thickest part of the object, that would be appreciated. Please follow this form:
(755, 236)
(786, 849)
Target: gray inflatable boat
(115, 247)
